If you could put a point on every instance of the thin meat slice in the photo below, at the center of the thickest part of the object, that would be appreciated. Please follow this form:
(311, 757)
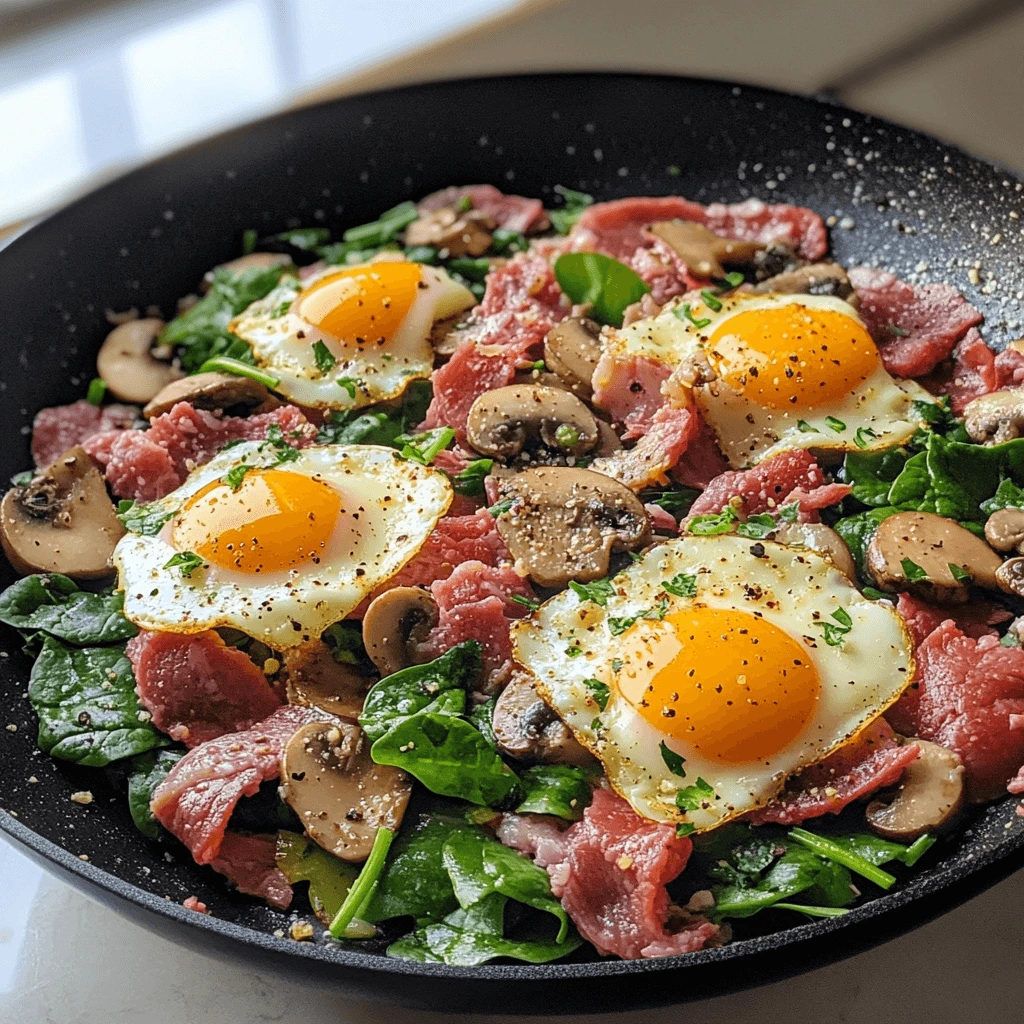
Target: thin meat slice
(61, 427)
(784, 478)
(864, 765)
(972, 374)
(539, 836)
(665, 274)
(963, 697)
(148, 464)
(1010, 367)
(612, 882)
(618, 228)
(629, 390)
(702, 461)
(516, 213)
(198, 796)
(649, 461)
(976, 619)
(914, 326)
(196, 687)
(250, 864)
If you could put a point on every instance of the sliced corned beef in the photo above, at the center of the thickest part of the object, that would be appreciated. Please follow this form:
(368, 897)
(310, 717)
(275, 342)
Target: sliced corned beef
(648, 462)
(786, 477)
(962, 698)
(539, 836)
(516, 213)
(618, 228)
(863, 766)
(629, 390)
(660, 519)
(972, 373)
(1010, 368)
(666, 276)
(702, 461)
(249, 863)
(196, 687)
(199, 794)
(61, 427)
(612, 882)
(147, 464)
(975, 619)
(914, 326)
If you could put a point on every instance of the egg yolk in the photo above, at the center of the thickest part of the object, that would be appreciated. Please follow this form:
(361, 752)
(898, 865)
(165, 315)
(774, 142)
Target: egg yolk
(792, 356)
(362, 304)
(274, 520)
(726, 683)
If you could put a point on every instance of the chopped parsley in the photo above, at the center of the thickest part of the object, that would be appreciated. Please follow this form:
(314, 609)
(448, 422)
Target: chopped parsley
(573, 650)
(684, 829)
(690, 798)
(673, 762)
(862, 437)
(349, 384)
(500, 508)
(97, 391)
(710, 301)
(913, 572)
(470, 481)
(620, 625)
(236, 474)
(687, 314)
(424, 448)
(186, 562)
(732, 280)
(325, 361)
(683, 584)
(959, 573)
(712, 524)
(599, 691)
(833, 424)
(525, 602)
(757, 527)
(805, 428)
(598, 591)
(835, 632)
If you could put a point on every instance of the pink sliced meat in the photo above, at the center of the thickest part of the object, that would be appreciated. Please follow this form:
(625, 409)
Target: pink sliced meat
(962, 698)
(539, 836)
(863, 766)
(475, 603)
(516, 213)
(629, 390)
(972, 374)
(199, 794)
(618, 228)
(702, 461)
(660, 519)
(914, 326)
(250, 864)
(612, 882)
(196, 687)
(1016, 785)
(784, 478)
(648, 462)
(147, 464)
(976, 619)
(196, 904)
(1010, 368)
(666, 276)
(61, 427)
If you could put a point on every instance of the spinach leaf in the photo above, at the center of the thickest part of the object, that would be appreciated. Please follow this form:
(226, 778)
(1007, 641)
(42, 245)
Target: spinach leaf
(1008, 495)
(148, 771)
(479, 866)
(301, 860)
(558, 789)
(858, 530)
(53, 604)
(872, 474)
(879, 851)
(200, 333)
(418, 688)
(87, 707)
(608, 285)
(448, 755)
(482, 716)
(357, 427)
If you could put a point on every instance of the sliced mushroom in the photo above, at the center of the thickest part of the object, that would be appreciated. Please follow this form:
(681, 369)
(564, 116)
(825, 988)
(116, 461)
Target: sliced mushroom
(341, 797)
(395, 623)
(465, 233)
(810, 279)
(996, 417)
(821, 538)
(446, 334)
(504, 422)
(929, 798)
(313, 678)
(61, 521)
(208, 391)
(774, 259)
(565, 523)
(929, 555)
(608, 442)
(705, 253)
(127, 364)
(1010, 576)
(527, 729)
(251, 261)
(1004, 530)
(572, 349)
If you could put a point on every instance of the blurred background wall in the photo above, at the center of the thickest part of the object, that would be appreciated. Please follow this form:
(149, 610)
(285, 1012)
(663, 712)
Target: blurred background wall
(89, 87)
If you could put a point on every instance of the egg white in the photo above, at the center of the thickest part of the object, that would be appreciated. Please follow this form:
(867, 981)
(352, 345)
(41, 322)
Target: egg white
(791, 588)
(399, 503)
(282, 343)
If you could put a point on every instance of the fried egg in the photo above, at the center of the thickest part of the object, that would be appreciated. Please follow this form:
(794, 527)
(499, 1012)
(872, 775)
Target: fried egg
(351, 336)
(279, 549)
(775, 372)
(702, 699)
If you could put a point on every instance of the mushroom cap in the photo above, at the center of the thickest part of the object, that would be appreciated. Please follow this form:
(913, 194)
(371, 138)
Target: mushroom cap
(1004, 529)
(394, 623)
(704, 253)
(62, 521)
(811, 279)
(565, 523)
(313, 678)
(502, 422)
(341, 797)
(933, 543)
(126, 362)
(995, 417)
(572, 349)
(207, 391)
(821, 538)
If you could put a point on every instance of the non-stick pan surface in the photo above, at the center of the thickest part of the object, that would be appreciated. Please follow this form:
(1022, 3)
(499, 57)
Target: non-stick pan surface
(896, 199)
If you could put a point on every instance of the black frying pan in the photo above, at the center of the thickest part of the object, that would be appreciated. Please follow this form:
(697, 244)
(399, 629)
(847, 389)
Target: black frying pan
(900, 200)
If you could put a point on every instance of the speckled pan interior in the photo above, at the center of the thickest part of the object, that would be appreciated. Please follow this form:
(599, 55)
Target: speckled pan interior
(893, 198)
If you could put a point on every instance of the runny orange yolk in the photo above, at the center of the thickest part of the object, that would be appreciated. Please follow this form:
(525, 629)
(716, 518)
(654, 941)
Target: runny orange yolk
(275, 520)
(792, 356)
(726, 683)
(365, 304)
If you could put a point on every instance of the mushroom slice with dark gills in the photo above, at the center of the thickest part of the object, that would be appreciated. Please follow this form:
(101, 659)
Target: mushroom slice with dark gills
(126, 361)
(563, 524)
(811, 279)
(572, 350)
(208, 391)
(704, 253)
(531, 422)
(995, 417)
(61, 521)
(315, 679)
(341, 797)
